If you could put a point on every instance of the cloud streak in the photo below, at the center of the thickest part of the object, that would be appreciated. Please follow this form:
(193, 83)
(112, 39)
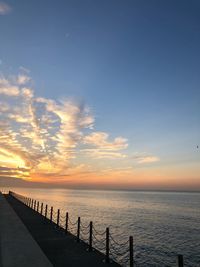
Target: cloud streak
(103, 148)
(44, 136)
(8, 88)
(144, 158)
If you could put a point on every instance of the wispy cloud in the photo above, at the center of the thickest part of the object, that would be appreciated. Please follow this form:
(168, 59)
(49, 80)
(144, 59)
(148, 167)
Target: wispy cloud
(55, 139)
(45, 135)
(103, 154)
(144, 158)
(100, 139)
(8, 88)
(102, 147)
(14, 172)
(23, 79)
(4, 8)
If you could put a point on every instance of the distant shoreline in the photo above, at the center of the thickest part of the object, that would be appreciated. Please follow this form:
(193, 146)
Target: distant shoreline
(96, 189)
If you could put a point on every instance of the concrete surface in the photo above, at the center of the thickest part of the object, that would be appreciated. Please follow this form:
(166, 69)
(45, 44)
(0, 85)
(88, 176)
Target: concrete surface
(17, 246)
(60, 248)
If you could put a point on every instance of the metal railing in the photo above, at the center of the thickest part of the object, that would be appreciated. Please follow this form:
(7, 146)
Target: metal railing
(4, 191)
(121, 253)
(104, 242)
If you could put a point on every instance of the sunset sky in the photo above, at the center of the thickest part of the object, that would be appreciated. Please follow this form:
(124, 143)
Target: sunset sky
(100, 93)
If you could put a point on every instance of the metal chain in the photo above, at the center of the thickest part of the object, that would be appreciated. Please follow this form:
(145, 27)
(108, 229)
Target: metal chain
(117, 252)
(85, 226)
(99, 233)
(72, 222)
(99, 240)
(118, 244)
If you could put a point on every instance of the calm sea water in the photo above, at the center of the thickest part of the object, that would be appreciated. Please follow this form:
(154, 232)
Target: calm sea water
(163, 224)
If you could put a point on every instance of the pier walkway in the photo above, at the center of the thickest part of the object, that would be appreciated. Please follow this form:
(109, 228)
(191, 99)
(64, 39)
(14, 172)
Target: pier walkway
(17, 246)
(60, 249)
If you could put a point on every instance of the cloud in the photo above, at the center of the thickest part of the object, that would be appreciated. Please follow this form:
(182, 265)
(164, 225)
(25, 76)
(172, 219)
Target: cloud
(103, 154)
(47, 136)
(10, 172)
(4, 107)
(27, 92)
(13, 86)
(71, 119)
(7, 88)
(103, 148)
(100, 139)
(145, 158)
(4, 8)
(23, 79)
(41, 137)
(17, 118)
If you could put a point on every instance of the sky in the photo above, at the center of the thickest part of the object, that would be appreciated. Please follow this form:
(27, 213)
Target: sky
(102, 94)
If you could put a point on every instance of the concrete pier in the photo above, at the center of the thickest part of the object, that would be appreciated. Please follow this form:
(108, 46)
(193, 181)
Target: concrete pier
(59, 248)
(17, 246)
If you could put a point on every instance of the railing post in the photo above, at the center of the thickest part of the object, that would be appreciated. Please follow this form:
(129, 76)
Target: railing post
(34, 204)
(46, 207)
(90, 236)
(31, 203)
(66, 222)
(179, 260)
(78, 229)
(41, 211)
(107, 245)
(51, 214)
(58, 217)
(38, 206)
(131, 251)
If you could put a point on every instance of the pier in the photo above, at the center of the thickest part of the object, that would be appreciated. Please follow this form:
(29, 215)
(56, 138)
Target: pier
(17, 246)
(45, 243)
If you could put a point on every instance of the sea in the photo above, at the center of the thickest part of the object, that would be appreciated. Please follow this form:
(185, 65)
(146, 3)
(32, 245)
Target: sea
(163, 224)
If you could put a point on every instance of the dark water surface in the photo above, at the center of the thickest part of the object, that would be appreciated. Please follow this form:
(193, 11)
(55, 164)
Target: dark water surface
(163, 224)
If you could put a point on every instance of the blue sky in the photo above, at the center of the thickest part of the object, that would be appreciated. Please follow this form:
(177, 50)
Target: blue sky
(135, 63)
